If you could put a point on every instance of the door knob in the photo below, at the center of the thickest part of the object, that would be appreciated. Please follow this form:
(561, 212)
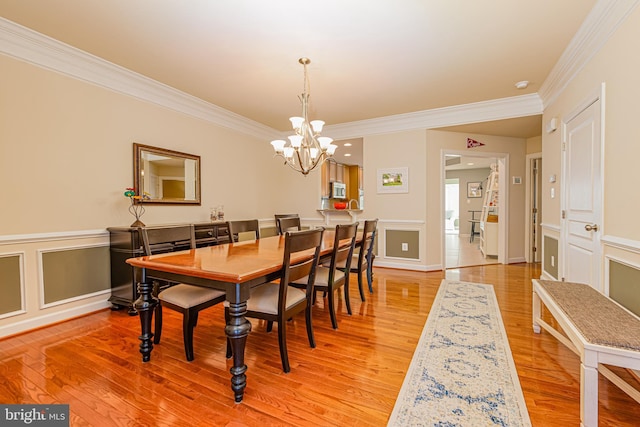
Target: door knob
(590, 227)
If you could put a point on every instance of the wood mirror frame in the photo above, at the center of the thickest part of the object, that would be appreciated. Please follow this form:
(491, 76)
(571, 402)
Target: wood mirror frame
(165, 176)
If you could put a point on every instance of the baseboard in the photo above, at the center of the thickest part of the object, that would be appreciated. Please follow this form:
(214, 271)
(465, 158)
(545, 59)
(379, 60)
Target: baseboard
(48, 319)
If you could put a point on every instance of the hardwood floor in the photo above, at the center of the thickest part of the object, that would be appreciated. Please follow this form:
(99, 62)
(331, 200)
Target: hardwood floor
(352, 378)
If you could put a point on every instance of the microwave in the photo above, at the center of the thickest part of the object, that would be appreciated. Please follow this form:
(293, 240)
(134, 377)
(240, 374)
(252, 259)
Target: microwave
(338, 190)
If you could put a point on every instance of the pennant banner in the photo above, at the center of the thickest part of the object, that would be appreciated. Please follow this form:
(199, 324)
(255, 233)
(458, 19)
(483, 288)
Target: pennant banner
(473, 143)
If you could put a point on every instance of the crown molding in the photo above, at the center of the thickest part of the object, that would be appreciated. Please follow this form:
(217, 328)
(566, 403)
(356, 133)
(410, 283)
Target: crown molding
(27, 45)
(603, 20)
(497, 109)
(32, 47)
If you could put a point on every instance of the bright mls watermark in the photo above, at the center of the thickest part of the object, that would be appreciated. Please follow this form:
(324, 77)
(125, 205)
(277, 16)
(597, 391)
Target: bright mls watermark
(34, 415)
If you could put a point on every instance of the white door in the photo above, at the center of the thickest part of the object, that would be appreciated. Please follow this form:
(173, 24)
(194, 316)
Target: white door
(583, 196)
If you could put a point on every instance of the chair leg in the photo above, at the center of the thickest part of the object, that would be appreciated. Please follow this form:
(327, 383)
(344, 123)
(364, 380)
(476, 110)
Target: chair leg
(307, 316)
(347, 300)
(187, 333)
(360, 286)
(158, 325)
(332, 311)
(282, 341)
(269, 326)
(370, 278)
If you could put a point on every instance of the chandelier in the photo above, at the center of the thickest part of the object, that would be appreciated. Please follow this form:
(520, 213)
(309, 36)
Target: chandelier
(306, 149)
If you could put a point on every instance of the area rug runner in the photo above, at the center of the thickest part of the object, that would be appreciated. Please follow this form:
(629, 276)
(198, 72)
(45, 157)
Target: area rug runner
(462, 372)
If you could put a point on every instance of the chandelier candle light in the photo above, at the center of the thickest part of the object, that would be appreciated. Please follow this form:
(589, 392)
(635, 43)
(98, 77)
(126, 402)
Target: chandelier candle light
(306, 149)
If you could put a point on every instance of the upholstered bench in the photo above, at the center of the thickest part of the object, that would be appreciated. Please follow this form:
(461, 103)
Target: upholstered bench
(597, 329)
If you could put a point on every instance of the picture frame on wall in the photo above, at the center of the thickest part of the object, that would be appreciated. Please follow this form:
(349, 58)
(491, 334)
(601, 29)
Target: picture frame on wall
(393, 180)
(474, 190)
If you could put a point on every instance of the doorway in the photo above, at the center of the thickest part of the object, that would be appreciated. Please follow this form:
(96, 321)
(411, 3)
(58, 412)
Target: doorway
(461, 245)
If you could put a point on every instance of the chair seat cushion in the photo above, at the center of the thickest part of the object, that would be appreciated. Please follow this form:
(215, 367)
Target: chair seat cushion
(322, 277)
(264, 298)
(187, 296)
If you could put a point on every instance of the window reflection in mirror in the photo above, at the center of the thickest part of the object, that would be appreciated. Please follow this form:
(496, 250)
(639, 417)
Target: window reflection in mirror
(166, 176)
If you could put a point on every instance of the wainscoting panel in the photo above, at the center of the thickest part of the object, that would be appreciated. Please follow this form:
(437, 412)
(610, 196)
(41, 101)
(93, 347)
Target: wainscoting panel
(11, 274)
(550, 250)
(74, 272)
(394, 240)
(624, 285)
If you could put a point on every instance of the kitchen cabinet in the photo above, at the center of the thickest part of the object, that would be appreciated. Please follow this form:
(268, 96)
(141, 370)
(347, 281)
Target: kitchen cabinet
(355, 182)
(333, 171)
(340, 176)
(325, 183)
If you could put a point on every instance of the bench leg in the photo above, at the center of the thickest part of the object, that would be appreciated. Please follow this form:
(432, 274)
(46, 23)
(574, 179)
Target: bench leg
(536, 312)
(588, 392)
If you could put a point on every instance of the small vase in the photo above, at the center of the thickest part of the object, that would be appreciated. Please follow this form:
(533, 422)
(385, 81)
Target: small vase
(137, 210)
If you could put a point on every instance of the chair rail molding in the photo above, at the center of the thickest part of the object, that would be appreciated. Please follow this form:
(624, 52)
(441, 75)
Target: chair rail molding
(621, 243)
(11, 239)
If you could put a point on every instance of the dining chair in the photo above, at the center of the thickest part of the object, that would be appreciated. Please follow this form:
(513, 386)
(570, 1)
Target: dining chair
(239, 230)
(291, 223)
(330, 278)
(278, 216)
(362, 262)
(186, 299)
(277, 301)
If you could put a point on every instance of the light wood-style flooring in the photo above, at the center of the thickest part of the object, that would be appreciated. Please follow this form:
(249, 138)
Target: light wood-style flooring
(460, 251)
(352, 378)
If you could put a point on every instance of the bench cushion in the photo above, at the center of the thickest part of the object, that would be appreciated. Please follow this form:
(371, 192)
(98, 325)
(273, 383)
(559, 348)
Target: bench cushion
(600, 320)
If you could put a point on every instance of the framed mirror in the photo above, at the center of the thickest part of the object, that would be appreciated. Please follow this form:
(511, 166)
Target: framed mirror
(166, 176)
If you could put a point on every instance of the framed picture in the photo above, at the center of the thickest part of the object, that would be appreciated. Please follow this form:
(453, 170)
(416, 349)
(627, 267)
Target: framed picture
(474, 190)
(393, 180)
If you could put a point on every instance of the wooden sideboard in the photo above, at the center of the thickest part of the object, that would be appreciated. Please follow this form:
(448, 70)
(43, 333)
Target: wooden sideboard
(126, 242)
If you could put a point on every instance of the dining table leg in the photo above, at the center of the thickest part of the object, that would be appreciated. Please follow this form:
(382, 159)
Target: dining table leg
(145, 305)
(237, 330)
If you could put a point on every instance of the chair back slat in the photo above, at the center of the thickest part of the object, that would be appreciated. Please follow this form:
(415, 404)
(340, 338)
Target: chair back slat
(343, 246)
(245, 226)
(279, 216)
(167, 239)
(301, 255)
(368, 237)
(291, 223)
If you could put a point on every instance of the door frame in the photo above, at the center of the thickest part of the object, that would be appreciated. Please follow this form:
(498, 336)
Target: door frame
(503, 211)
(595, 96)
(529, 255)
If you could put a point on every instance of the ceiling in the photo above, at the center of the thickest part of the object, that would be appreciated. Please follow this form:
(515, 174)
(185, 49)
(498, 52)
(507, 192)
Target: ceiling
(368, 59)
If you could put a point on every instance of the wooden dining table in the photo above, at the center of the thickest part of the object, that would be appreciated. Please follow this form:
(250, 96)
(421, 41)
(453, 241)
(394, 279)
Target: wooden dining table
(232, 267)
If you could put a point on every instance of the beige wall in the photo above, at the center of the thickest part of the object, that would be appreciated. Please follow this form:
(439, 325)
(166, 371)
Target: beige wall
(616, 66)
(421, 208)
(534, 145)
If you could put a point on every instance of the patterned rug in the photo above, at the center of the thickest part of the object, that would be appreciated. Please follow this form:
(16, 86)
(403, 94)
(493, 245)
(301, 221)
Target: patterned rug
(462, 372)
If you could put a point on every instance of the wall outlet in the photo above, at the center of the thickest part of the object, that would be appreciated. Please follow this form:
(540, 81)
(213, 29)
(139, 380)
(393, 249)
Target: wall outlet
(405, 247)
